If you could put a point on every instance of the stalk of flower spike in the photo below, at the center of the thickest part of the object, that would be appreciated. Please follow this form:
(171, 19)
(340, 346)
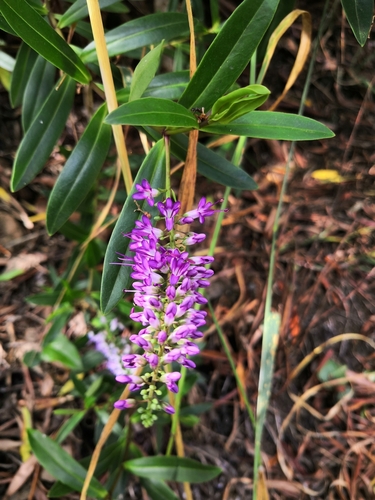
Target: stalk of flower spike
(166, 289)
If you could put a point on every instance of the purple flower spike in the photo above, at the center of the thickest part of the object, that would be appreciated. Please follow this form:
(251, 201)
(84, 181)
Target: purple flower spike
(166, 287)
(145, 192)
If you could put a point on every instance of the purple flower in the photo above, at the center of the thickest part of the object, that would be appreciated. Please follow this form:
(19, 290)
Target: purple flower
(193, 238)
(122, 404)
(111, 351)
(152, 359)
(170, 380)
(203, 210)
(145, 192)
(133, 360)
(169, 409)
(169, 209)
(162, 337)
(125, 379)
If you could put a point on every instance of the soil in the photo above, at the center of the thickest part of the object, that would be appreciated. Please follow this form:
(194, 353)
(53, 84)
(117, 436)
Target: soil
(318, 441)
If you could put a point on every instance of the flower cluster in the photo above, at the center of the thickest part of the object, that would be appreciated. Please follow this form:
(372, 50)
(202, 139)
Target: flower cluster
(166, 291)
(112, 347)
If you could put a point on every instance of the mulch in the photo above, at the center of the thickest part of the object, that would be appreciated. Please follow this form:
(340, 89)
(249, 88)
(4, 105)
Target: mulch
(318, 441)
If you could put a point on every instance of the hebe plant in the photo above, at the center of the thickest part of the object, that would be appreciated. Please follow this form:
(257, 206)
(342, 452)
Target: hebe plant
(171, 109)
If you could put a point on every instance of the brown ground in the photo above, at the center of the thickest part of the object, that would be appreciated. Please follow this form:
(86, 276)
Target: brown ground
(322, 447)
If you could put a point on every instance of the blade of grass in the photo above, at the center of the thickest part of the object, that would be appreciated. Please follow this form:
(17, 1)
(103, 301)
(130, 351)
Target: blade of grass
(270, 336)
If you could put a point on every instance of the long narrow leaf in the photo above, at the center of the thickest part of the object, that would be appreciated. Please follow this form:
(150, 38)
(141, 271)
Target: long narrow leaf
(24, 63)
(80, 171)
(153, 112)
(273, 125)
(145, 72)
(172, 469)
(158, 490)
(5, 26)
(37, 33)
(359, 15)
(61, 465)
(166, 86)
(229, 53)
(41, 137)
(38, 88)
(78, 10)
(146, 30)
(116, 277)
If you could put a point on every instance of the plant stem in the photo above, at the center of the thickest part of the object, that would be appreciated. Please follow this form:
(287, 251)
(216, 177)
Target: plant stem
(176, 416)
(167, 166)
(268, 304)
(109, 87)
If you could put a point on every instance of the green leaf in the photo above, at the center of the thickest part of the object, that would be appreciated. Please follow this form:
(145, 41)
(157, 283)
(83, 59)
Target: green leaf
(153, 112)
(145, 72)
(37, 33)
(80, 171)
(38, 7)
(110, 456)
(238, 103)
(189, 420)
(117, 8)
(78, 10)
(157, 490)
(63, 351)
(273, 125)
(69, 426)
(42, 135)
(24, 62)
(116, 277)
(61, 465)
(5, 78)
(359, 15)
(229, 53)
(59, 489)
(39, 86)
(4, 26)
(168, 86)
(210, 164)
(44, 298)
(59, 320)
(32, 358)
(9, 275)
(172, 469)
(146, 30)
